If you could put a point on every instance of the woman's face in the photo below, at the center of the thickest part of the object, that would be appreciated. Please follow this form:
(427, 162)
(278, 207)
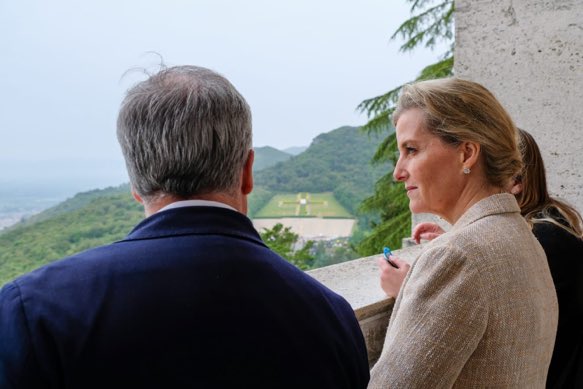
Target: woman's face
(431, 170)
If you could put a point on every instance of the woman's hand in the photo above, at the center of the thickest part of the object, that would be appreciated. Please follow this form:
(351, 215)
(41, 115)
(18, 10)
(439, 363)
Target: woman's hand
(426, 231)
(392, 278)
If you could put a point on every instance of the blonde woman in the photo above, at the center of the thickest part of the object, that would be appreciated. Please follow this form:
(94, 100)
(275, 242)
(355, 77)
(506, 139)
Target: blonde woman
(559, 229)
(478, 306)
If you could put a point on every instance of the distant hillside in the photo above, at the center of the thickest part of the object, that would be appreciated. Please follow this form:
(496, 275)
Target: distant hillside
(337, 161)
(295, 150)
(80, 200)
(268, 156)
(103, 219)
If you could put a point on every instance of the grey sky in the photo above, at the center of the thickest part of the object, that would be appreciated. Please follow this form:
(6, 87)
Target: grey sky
(302, 65)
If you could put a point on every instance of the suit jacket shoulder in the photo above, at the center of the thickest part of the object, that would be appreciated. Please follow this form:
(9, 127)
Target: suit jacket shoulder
(191, 298)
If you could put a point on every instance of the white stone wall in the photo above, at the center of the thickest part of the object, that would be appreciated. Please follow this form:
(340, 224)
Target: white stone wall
(530, 54)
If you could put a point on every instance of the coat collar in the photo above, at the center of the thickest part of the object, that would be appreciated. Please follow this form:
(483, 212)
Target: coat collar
(492, 205)
(199, 220)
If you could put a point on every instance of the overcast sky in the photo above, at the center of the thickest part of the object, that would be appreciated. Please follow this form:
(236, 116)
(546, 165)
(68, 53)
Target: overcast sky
(302, 65)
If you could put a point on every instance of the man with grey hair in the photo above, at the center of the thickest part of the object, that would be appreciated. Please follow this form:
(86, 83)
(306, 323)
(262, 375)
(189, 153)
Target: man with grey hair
(191, 297)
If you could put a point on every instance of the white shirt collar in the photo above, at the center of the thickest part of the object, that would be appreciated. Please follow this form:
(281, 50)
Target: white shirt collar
(196, 203)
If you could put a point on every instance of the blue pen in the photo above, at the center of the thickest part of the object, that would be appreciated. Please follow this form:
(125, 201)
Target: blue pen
(387, 252)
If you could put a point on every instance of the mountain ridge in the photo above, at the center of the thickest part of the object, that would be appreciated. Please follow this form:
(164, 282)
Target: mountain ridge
(267, 156)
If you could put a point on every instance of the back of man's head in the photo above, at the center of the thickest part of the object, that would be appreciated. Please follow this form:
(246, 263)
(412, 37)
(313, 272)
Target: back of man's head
(185, 131)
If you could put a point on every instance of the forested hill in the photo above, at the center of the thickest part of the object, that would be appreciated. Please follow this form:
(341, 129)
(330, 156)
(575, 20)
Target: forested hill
(267, 156)
(78, 201)
(87, 220)
(337, 161)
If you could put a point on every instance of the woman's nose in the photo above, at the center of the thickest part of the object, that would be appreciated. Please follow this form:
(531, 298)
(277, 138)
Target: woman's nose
(399, 173)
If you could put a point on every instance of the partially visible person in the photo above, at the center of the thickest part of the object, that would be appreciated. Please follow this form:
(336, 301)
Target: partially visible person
(558, 228)
(478, 306)
(191, 298)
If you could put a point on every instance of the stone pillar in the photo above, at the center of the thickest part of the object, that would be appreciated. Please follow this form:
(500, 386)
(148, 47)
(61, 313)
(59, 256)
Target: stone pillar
(529, 53)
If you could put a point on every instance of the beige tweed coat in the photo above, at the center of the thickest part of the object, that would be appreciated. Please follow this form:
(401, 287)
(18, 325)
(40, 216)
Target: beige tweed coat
(477, 310)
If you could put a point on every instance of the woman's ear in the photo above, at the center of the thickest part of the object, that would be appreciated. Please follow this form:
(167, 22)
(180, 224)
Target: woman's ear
(516, 189)
(470, 152)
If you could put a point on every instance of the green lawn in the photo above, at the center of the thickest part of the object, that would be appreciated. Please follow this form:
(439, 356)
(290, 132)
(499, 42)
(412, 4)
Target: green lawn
(303, 205)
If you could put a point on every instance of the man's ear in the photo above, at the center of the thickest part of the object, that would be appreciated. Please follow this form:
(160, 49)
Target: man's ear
(470, 153)
(247, 175)
(136, 196)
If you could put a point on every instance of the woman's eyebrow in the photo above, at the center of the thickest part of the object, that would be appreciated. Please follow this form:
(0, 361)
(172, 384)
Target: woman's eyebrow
(408, 142)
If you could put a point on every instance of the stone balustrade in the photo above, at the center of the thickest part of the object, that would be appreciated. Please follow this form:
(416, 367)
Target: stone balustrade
(358, 282)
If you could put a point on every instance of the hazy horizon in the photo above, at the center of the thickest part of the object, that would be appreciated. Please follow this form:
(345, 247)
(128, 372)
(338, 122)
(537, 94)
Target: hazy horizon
(303, 67)
(72, 174)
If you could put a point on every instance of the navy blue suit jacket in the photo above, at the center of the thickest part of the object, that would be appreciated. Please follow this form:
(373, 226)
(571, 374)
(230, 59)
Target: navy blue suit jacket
(192, 298)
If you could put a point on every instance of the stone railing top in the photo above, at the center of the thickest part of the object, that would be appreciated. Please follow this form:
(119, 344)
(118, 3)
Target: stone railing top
(358, 282)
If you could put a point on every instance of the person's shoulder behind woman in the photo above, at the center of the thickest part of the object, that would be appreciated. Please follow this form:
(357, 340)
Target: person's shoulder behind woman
(564, 252)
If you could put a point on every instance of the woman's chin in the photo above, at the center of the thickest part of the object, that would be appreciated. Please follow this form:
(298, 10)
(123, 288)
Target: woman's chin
(417, 208)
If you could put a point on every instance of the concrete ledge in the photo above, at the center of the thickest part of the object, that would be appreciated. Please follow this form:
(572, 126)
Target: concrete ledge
(358, 282)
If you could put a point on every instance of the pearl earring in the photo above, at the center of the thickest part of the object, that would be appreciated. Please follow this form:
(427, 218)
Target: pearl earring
(467, 170)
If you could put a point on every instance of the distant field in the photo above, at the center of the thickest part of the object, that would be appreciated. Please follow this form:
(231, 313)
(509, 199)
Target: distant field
(310, 227)
(303, 205)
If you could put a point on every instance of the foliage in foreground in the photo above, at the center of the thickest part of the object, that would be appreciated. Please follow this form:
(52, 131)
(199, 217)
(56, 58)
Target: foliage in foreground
(432, 22)
(311, 254)
(283, 241)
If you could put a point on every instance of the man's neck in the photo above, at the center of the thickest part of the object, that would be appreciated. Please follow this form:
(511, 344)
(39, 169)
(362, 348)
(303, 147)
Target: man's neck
(237, 202)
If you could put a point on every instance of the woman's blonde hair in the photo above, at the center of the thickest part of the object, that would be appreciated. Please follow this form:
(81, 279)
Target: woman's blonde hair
(459, 110)
(534, 200)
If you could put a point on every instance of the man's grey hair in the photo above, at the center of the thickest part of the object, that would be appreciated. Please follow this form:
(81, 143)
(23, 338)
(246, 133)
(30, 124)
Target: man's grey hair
(184, 131)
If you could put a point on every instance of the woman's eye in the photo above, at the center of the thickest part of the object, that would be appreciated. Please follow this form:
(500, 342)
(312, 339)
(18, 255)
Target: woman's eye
(410, 150)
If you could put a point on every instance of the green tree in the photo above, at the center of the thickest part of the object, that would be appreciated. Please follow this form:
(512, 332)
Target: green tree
(283, 241)
(331, 252)
(431, 22)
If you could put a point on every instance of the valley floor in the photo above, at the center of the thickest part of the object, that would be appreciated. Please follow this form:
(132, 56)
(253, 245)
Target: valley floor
(311, 228)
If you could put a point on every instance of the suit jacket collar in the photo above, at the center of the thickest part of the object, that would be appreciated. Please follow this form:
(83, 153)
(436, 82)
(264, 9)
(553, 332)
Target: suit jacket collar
(199, 220)
(492, 205)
